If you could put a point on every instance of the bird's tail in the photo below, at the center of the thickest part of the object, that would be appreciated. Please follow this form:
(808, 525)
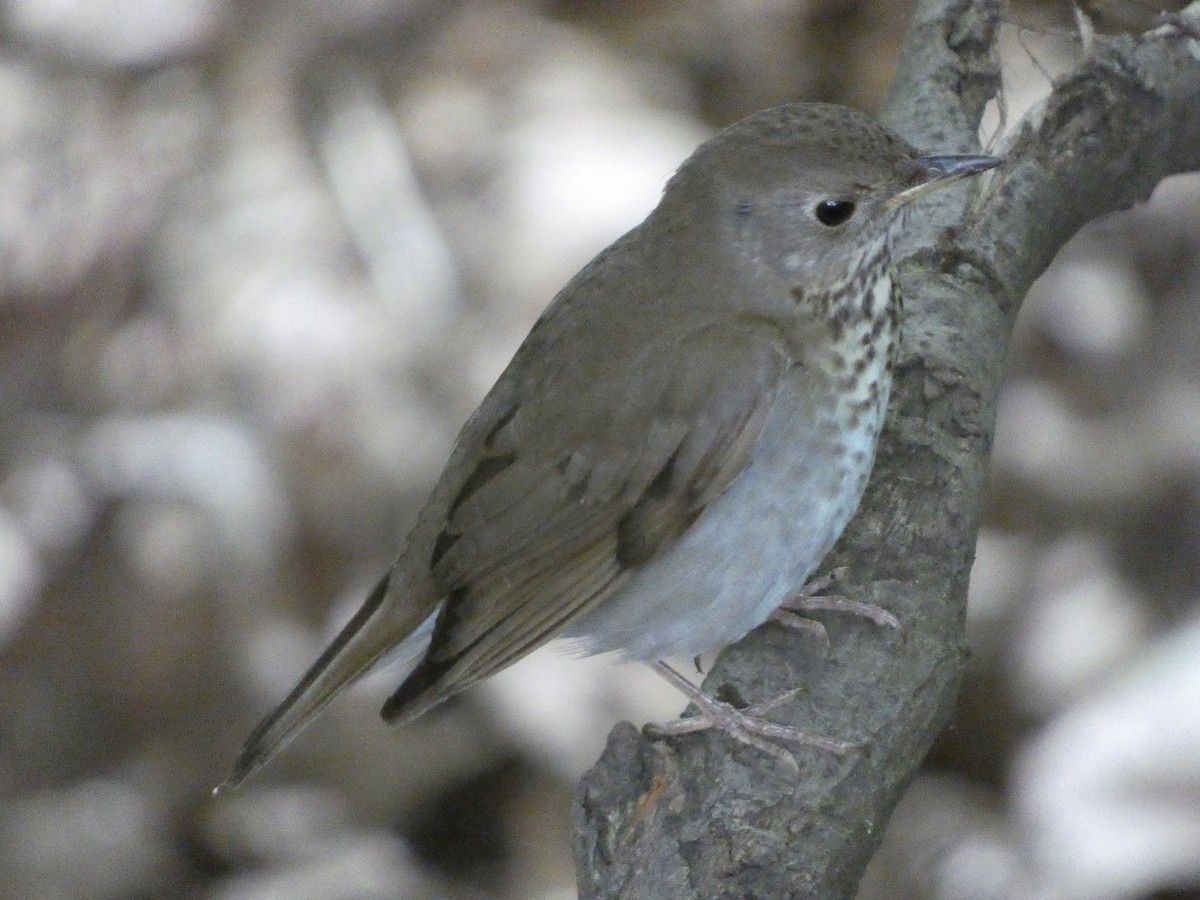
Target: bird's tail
(379, 630)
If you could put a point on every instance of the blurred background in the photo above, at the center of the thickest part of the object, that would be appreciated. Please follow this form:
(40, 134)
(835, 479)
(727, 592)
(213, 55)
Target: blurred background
(259, 261)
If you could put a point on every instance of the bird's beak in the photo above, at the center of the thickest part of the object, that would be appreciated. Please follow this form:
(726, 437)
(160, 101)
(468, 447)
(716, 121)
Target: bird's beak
(941, 171)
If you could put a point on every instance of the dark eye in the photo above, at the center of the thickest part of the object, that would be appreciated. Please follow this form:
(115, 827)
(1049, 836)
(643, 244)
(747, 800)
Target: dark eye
(834, 212)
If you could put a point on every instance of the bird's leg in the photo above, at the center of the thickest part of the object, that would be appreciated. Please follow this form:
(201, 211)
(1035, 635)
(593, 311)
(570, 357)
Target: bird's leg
(748, 725)
(745, 725)
(810, 598)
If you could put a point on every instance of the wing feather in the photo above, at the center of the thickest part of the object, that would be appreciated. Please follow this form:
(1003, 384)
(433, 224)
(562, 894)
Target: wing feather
(567, 502)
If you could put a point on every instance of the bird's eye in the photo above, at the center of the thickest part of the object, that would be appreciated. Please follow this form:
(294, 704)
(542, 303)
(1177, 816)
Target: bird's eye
(834, 212)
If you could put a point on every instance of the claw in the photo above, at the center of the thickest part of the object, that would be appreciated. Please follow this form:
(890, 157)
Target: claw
(811, 599)
(744, 725)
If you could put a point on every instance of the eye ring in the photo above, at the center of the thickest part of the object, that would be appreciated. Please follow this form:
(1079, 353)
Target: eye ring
(833, 213)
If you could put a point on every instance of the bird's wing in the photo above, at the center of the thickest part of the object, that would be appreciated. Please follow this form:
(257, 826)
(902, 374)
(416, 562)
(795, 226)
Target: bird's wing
(567, 499)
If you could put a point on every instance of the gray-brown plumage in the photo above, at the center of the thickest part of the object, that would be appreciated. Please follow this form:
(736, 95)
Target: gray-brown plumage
(681, 438)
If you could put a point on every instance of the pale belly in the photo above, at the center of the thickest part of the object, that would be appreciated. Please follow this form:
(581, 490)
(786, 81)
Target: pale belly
(753, 546)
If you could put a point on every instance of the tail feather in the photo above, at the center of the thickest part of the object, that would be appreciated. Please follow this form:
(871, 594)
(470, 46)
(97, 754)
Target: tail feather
(373, 634)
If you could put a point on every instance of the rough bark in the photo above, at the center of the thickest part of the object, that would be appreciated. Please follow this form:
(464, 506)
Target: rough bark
(702, 816)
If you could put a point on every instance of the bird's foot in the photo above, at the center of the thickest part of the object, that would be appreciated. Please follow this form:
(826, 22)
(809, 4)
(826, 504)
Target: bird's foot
(746, 725)
(811, 598)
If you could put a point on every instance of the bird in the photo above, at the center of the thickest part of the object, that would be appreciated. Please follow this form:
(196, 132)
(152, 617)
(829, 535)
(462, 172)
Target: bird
(678, 442)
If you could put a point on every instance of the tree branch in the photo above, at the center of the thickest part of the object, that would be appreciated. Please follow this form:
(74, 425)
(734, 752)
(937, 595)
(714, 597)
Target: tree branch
(701, 816)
